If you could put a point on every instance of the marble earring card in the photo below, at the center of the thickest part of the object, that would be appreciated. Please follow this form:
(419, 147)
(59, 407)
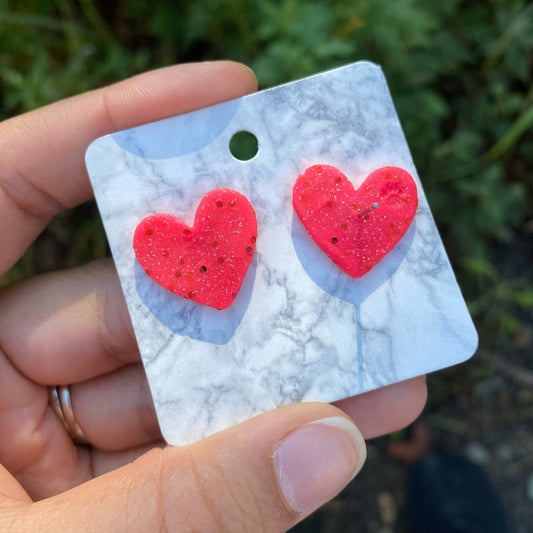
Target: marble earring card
(300, 329)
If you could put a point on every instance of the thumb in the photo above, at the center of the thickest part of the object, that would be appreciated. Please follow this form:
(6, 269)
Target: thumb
(263, 475)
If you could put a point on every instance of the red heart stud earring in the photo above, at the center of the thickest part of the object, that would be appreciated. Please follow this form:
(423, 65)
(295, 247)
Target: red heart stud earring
(205, 262)
(355, 228)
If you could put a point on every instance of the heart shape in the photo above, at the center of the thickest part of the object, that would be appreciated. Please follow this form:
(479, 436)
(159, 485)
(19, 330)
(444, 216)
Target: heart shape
(205, 262)
(356, 228)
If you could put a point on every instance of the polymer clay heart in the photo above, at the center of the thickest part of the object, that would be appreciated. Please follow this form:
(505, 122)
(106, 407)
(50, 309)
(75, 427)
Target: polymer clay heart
(205, 262)
(356, 228)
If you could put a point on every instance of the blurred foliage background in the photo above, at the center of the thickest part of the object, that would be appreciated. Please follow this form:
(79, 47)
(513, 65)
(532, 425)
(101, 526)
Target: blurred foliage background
(460, 73)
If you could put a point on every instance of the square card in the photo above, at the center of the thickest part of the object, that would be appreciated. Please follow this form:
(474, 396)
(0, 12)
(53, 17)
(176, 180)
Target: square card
(299, 329)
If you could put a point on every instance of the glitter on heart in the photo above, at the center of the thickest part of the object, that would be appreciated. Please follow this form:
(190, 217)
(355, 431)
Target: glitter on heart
(355, 228)
(205, 262)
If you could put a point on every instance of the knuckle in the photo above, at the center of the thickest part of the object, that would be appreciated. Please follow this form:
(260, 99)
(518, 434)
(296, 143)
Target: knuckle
(205, 505)
(192, 491)
(229, 502)
(191, 496)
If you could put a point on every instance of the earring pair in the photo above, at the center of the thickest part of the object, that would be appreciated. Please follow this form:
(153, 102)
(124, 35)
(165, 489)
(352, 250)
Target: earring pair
(207, 262)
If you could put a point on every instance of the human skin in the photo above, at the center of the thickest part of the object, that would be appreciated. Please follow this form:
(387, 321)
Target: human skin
(72, 327)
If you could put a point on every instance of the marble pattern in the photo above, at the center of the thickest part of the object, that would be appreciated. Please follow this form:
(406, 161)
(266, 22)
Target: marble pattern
(300, 329)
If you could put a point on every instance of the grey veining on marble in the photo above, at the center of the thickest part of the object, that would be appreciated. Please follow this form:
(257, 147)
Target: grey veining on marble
(300, 329)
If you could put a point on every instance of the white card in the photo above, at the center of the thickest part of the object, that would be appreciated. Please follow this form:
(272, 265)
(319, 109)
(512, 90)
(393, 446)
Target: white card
(300, 329)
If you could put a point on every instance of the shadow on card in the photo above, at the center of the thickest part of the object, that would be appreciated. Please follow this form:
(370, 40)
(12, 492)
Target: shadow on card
(190, 319)
(331, 279)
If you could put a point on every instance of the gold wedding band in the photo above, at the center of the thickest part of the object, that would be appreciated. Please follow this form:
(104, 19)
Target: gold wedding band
(62, 405)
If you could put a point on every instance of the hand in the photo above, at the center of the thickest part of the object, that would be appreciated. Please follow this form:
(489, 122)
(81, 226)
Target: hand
(73, 328)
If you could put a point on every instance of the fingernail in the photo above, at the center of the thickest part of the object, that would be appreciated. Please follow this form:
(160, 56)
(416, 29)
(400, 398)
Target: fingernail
(316, 461)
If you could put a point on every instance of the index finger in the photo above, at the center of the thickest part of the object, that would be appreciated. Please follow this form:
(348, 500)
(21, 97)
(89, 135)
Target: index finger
(42, 169)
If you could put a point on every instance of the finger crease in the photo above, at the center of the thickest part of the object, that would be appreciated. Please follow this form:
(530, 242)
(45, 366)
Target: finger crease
(106, 337)
(40, 452)
(199, 482)
(160, 499)
(107, 109)
(143, 412)
(92, 468)
(27, 197)
(245, 515)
